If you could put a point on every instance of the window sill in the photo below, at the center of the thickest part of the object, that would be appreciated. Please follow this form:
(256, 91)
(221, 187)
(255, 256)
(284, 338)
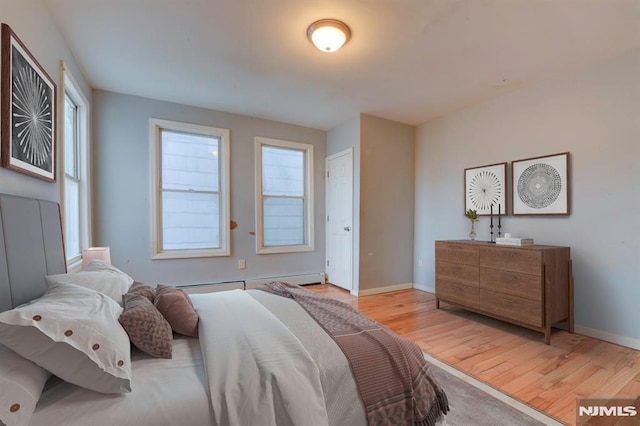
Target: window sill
(74, 265)
(284, 249)
(189, 254)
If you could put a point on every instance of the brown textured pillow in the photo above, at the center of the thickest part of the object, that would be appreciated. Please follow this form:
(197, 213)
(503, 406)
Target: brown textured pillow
(146, 327)
(177, 308)
(142, 289)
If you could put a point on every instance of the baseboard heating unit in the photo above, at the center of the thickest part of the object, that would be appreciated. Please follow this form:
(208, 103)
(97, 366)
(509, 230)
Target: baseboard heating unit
(316, 278)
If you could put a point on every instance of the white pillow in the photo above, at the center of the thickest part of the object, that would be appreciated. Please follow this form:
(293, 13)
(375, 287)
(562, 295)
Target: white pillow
(21, 382)
(99, 276)
(74, 333)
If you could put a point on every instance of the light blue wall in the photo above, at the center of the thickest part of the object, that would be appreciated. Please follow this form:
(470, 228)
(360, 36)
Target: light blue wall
(344, 136)
(31, 22)
(594, 114)
(341, 138)
(122, 197)
(383, 198)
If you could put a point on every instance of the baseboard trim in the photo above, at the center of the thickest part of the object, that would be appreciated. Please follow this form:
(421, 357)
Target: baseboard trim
(425, 288)
(607, 336)
(387, 289)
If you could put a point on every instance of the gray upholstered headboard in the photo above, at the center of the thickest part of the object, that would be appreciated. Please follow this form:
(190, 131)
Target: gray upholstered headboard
(30, 247)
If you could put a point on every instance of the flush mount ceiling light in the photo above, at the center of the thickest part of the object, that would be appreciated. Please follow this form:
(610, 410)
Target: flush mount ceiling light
(328, 35)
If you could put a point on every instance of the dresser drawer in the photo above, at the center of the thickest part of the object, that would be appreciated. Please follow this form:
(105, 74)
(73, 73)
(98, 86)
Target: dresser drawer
(457, 253)
(454, 292)
(457, 272)
(512, 259)
(513, 283)
(511, 307)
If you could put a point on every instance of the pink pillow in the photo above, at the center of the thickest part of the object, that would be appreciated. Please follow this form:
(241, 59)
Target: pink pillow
(177, 308)
(146, 327)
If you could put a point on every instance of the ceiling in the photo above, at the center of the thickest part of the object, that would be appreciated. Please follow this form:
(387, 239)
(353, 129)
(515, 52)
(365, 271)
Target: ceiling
(407, 60)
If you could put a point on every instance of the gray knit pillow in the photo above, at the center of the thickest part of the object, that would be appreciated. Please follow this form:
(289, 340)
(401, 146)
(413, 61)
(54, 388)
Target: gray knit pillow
(146, 327)
(143, 289)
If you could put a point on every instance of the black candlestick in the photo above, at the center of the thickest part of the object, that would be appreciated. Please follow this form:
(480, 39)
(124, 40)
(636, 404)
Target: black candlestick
(499, 224)
(491, 226)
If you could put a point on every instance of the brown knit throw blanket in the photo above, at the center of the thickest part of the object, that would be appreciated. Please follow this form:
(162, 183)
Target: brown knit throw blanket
(393, 378)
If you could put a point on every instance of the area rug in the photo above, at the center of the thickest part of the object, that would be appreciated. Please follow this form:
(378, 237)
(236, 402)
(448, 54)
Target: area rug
(474, 403)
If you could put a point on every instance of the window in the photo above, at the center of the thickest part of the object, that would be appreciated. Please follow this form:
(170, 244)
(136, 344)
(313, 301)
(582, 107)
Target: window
(284, 196)
(191, 190)
(75, 193)
(71, 178)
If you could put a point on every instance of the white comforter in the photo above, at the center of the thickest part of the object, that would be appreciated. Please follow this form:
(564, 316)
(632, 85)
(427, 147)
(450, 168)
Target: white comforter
(258, 371)
(260, 360)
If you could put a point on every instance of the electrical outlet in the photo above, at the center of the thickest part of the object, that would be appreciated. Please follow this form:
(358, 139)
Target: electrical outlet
(242, 264)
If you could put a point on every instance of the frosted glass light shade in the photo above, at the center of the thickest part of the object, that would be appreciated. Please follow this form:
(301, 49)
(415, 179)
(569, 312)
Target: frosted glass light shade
(99, 253)
(328, 35)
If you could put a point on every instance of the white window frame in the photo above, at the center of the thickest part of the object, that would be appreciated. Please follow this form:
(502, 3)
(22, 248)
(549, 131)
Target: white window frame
(156, 126)
(71, 88)
(308, 197)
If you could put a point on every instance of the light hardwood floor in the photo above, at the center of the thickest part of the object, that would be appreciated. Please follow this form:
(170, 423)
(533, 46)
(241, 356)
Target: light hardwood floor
(510, 358)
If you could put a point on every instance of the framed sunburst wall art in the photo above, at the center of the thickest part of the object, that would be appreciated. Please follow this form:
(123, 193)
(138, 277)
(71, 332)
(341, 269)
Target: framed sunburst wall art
(541, 185)
(485, 186)
(28, 111)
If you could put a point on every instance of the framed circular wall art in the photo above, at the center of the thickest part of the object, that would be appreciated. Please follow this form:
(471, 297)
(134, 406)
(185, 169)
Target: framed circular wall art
(541, 185)
(484, 187)
(27, 112)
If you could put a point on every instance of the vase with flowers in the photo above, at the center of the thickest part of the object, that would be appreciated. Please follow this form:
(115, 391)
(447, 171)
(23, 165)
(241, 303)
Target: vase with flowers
(472, 215)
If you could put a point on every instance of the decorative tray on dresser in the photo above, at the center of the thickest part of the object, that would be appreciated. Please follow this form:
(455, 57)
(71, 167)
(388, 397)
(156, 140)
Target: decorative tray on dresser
(531, 286)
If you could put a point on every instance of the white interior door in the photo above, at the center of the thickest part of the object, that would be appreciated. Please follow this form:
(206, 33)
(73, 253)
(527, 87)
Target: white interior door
(339, 186)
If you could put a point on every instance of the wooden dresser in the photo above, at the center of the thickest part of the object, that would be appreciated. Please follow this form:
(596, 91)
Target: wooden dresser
(531, 286)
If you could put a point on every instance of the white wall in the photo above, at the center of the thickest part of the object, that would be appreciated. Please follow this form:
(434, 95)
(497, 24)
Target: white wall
(31, 22)
(595, 115)
(122, 197)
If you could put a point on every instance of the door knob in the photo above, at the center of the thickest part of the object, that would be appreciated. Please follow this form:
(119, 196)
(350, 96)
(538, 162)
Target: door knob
(347, 228)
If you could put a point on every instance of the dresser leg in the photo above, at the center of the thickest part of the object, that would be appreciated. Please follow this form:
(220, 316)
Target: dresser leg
(547, 336)
(437, 303)
(570, 297)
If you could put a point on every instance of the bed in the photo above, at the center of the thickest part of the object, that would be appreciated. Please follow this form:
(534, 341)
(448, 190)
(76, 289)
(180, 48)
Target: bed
(260, 358)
